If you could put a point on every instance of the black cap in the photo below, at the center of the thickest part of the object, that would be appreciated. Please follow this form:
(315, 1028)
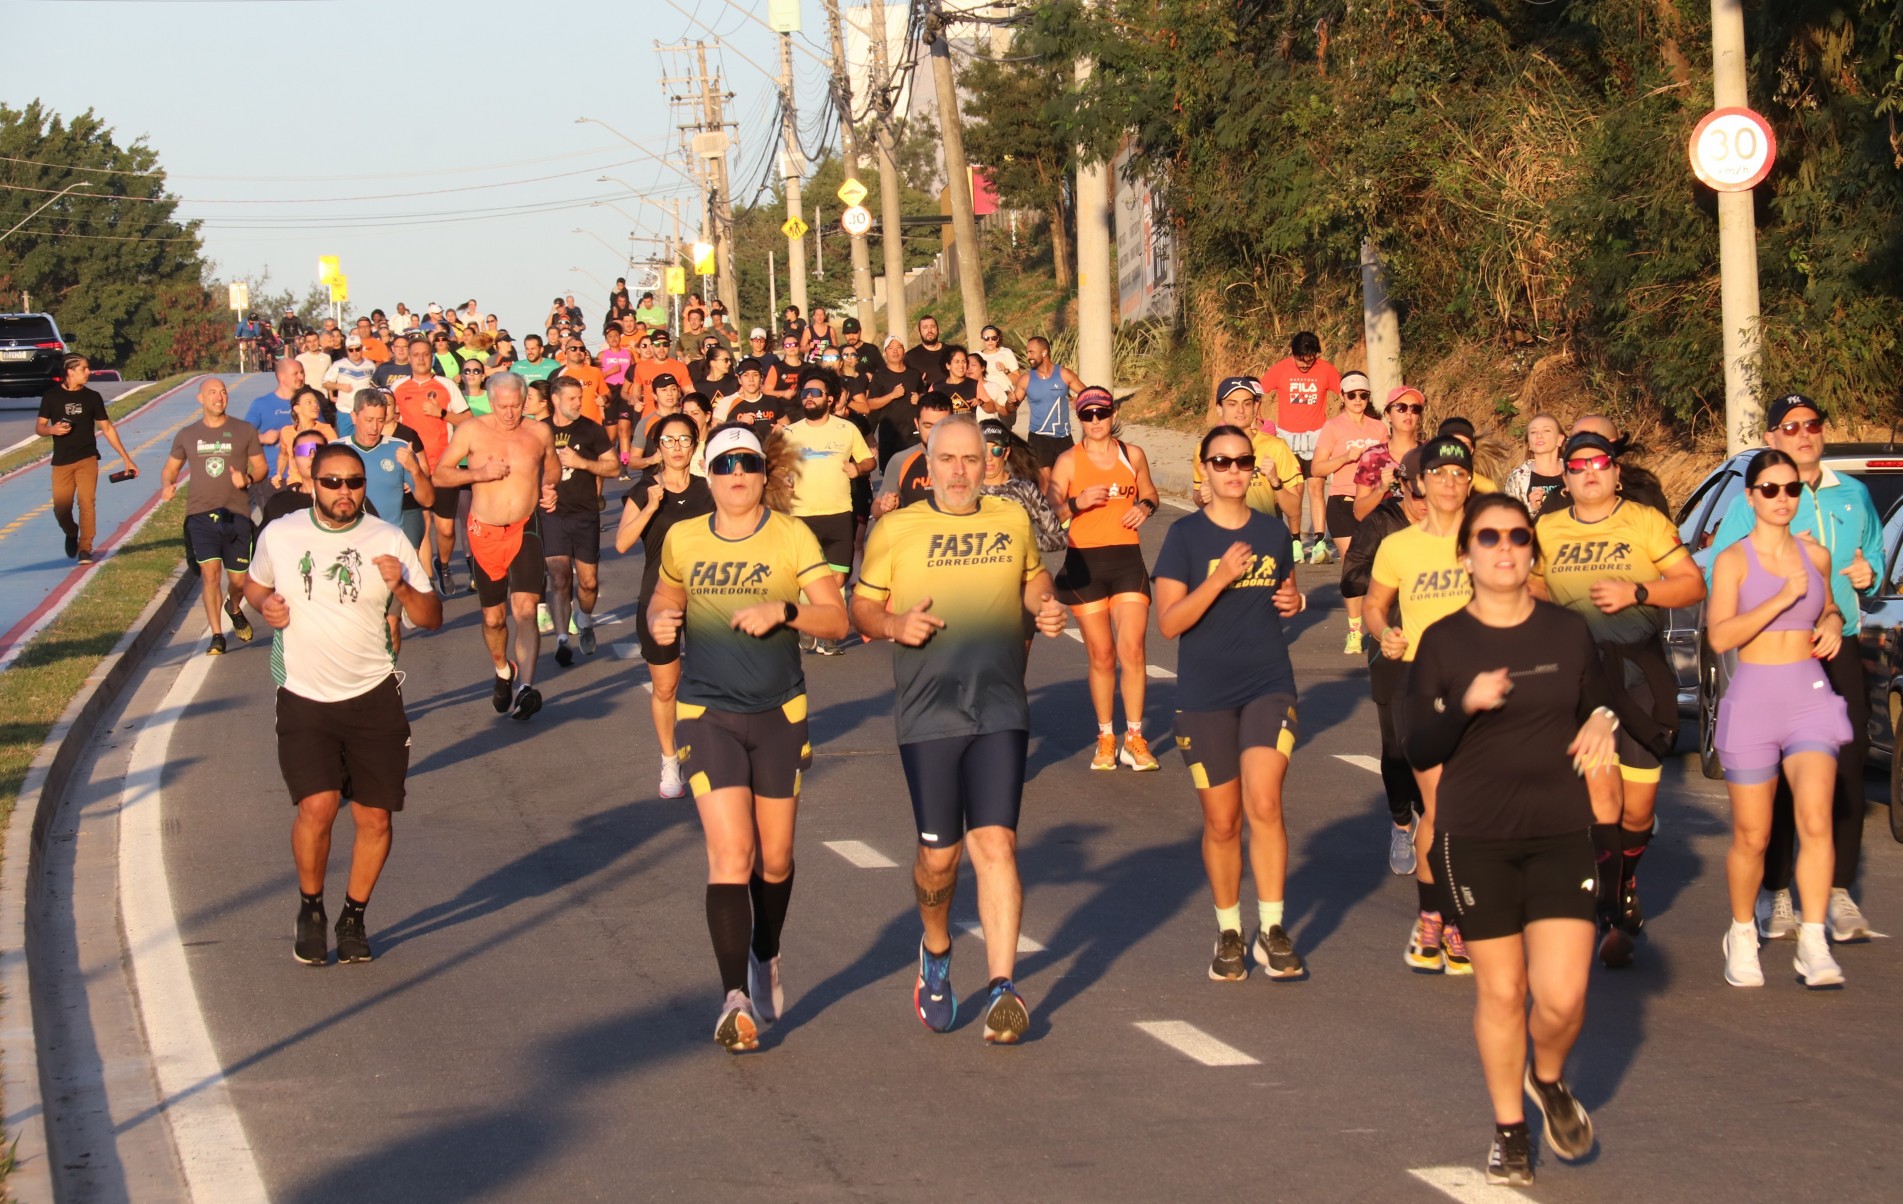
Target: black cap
(1456, 426)
(1590, 441)
(1445, 449)
(748, 365)
(665, 379)
(849, 326)
(1775, 413)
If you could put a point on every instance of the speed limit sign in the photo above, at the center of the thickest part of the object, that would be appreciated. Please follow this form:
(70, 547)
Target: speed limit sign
(857, 219)
(1732, 149)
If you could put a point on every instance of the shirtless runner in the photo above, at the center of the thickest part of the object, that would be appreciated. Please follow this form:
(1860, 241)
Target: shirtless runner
(510, 468)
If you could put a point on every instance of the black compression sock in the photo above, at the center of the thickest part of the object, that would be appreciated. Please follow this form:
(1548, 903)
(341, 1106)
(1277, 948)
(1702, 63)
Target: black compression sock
(770, 900)
(1429, 895)
(1606, 842)
(316, 900)
(1635, 845)
(354, 908)
(729, 923)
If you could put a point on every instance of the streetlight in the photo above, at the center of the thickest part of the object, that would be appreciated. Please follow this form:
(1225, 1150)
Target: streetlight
(56, 196)
(633, 217)
(645, 152)
(604, 242)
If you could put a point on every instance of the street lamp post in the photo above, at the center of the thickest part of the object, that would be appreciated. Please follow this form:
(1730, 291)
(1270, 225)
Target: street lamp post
(56, 196)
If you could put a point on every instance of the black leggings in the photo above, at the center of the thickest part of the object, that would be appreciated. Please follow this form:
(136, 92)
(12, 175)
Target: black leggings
(1386, 680)
(1845, 671)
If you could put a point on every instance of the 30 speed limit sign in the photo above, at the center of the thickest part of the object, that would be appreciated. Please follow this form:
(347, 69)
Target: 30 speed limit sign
(857, 219)
(1732, 149)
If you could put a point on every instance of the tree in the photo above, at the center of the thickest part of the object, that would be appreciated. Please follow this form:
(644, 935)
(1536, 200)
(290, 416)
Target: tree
(1021, 144)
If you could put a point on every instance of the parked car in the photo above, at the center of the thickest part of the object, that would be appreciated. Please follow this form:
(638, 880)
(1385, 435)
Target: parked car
(106, 374)
(30, 353)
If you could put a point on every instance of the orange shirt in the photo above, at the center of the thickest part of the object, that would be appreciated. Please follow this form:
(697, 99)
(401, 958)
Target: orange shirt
(376, 350)
(1102, 526)
(594, 387)
(644, 372)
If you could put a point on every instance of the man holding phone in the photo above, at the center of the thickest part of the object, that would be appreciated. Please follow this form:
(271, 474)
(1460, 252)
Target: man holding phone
(70, 414)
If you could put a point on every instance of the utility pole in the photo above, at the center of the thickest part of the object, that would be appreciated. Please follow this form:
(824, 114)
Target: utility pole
(1380, 324)
(792, 166)
(720, 191)
(1737, 245)
(1096, 275)
(849, 146)
(891, 230)
(971, 280)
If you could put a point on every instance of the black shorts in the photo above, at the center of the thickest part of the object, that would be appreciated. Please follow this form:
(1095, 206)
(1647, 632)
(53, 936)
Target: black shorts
(862, 498)
(1046, 448)
(1212, 742)
(1637, 763)
(764, 751)
(653, 652)
(1095, 579)
(414, 523)
(576, 536)
(965, 782)
(448, 501)
(359, 747)
(835, 535)
(1498, 887)
(527, 573)
(1340, 513)
(219, 536)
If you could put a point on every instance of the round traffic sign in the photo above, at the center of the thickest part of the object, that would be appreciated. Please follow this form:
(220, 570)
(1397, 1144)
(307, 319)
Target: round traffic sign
(856, 220)
(1732, 149)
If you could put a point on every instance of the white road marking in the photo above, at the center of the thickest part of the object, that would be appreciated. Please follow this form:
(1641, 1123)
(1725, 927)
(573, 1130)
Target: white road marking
(1361, 761)
(216, 1156)
(1465, 1183)
(1074, 634)
(1180, 505)
(861, 854)
(627, 652)
(1025, 943)
(1194, 1043)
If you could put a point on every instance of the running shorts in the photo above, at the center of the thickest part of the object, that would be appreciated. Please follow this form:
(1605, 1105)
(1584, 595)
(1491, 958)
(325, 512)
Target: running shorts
(1302, 443)
(1497, 887)
(219, 536)
(1340, 512)
(414, 524)
(448, 501)
(652, 651)
(963, 782)
(1095, 579)
(1770, 712)
(1046, 448)
(1212, 742)
(765, 751)
(359, 747)
(1637, 763)
(834, 532)
(576, 536)
(527, 572)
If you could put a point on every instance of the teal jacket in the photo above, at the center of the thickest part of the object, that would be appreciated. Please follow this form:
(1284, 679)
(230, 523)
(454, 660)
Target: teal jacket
(1838, 514)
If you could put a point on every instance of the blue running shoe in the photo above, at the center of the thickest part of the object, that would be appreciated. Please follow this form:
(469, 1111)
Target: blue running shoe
(933, 997)
(1006, 1016)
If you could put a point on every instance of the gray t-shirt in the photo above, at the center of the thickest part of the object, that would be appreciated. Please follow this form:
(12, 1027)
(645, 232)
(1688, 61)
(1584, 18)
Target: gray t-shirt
(211, 452)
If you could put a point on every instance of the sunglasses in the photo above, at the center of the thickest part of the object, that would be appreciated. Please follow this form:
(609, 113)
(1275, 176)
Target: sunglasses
(1490, 537)
(342, 482)
(991, 338)
(306, 449)
(739, 461)
(1598, 463)
(472, 371)
(1363, 394)
(813, 393)
(1226, 463)
(1810, 426)
(1767, 491)
(1095, 413)
(1402, 407)
(996, 449)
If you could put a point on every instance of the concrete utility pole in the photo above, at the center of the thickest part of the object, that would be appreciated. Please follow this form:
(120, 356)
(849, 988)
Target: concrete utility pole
(849, 144)
(1737, 246)
(971, 280)
(891, 232)
(722, 194)
(1096, 273)
(1381, 326)
(792, 167)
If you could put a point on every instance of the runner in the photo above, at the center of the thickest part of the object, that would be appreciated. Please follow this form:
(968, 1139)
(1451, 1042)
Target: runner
(962, 716)
(295, 496)
(268, 414)
(1618, 563)
(929, 357)
(340, 722)
(1103, 485)
(1507, 705)
(572, 531)
(341, 382)
(892, 397)
(1011, 472)
(1224, 581)
(1377, 476)
(962, 388)
(730, 585)
(306, 409)
(1343, 440)
(1276, 486)
(431, 406)
(1419, 569)
(832, 455)
(1543, 474)
(1297, 389)
(1047, 386)
(1001, 364)
(70, 413)
(648, 372)
(907, 479)
(1771, 600)
(226, 458)
(748, 373)
(511, 476)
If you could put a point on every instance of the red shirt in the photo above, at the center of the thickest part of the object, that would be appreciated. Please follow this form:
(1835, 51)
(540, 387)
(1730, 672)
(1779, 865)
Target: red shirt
(645, 372)
(1301, 397)
(433, 431)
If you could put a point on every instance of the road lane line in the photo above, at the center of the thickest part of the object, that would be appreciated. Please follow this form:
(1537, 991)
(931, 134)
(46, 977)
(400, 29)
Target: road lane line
(861, 854)
(1361, 761)
(213, 1150)
(1194, 1043)
(1025, 943)
(1464, 1183)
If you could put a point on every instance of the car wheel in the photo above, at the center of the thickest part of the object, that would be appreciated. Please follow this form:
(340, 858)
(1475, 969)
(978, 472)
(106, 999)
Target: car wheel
(1711, 684)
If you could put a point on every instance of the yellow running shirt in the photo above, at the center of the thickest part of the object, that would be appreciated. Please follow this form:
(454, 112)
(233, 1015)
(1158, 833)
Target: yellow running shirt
(1271, 451)
(1634, 543)
(1426, 578)
(823, 486)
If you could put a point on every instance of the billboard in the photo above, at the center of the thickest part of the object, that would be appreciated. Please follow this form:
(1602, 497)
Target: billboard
(1146, 252)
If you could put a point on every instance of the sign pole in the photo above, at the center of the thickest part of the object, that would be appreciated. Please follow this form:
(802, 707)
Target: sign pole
(1737, 246)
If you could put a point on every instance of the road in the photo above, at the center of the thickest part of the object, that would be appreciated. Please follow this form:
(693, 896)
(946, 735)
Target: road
(537, 1024)
(17, 413)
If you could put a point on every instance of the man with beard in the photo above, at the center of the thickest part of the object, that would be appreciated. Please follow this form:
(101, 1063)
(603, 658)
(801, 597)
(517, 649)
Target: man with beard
(832, 454)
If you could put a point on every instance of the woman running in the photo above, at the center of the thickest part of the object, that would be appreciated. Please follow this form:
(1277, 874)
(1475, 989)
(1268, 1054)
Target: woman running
(1377, 473)
(1507, 700)
(1542, 475)
(1224, 580)
(1011, 472)
(1338, 451)
(1103, 486)
(1770, 600)
(306, 409)
(730, 585)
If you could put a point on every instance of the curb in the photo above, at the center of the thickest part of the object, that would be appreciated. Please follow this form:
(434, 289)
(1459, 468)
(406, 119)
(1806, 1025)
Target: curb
(41, 796)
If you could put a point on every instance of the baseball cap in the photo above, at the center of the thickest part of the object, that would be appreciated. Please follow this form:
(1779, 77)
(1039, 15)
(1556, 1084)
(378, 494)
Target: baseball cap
(731, 439)
(849, 326)
(1776, 412)
(659, 337)
(1410, 466)
(1590, 441)
(666, 379)
(352, 341)
(1402, 393)
(1355, 380)
(1445, 449)
(748, 365)
(1095, 395)
(1456, 426)
(435, 308)
(758, 332)
(1231, 384)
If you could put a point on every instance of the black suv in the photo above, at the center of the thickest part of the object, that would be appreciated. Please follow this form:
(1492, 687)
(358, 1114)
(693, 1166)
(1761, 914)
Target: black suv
(30, 353)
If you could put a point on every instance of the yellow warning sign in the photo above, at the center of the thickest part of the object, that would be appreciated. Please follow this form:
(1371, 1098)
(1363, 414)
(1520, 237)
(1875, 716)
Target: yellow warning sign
(676, 281)
(794, 228)
(852, 191)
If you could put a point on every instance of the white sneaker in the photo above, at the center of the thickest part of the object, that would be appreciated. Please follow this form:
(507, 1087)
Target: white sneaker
(763, 984)
(738, 1029)
(544, 621)
(1813, 963)
(672, 785)
(1776, 920)
(1741, 959)
(1845, 918)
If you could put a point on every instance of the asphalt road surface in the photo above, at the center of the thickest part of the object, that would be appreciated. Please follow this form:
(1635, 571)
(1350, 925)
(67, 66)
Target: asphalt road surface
(17, 413)
(537, 1024)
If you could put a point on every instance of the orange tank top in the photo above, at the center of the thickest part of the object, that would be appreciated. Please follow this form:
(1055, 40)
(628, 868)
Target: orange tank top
(1102, 526)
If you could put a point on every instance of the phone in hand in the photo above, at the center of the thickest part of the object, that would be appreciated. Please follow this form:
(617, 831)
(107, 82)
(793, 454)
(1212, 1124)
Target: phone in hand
(123, 475)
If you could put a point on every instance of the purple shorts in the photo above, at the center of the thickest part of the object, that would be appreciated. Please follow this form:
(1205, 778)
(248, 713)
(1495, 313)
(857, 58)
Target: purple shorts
(1770, 712)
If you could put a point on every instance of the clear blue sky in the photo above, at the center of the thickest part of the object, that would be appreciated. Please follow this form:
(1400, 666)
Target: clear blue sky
(259, 109)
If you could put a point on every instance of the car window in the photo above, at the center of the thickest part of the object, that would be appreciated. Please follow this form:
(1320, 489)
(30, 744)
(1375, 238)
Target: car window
(1689, 512)
(1728, 486)
(1885, 488)
(27, 328)
(1892, 546)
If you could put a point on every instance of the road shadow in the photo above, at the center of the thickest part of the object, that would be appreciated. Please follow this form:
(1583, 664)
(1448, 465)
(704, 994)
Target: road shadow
(1333, 869)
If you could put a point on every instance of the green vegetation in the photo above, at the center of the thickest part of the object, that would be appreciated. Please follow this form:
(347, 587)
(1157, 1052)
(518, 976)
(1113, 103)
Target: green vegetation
(119, 407)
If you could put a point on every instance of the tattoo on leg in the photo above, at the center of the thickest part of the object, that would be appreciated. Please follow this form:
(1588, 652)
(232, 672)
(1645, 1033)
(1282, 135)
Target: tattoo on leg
(934, 898)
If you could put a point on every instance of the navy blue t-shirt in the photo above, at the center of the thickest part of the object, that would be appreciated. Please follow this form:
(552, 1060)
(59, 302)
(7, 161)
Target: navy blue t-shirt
(1237, 651)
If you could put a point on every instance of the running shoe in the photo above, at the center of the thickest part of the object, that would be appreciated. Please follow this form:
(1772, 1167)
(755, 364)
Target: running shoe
(763, 987)
(1454, 949)
(1401, 850)
(217, 645)
(85, 557)
(310, 944)
(1352, 646)
(1106, 757)
(353, 943)
(1136, 753)
(1845, 918)
(1275, 953)
(1631, 915)
(239, 624)
(829, 648)
(1423, 945)
(444, 586)
(1318, 553)
(504, 692)
(1006, 1017)
(738, 1030)
(672, 784)
(587, 639)
(1229, 964)
(933, 998)
(809, 643)
(1510, 1161)
(1814, 964)
(72, 545)
(1776, 920)
(1741, 961)
(1568, 1124)
(544, 621)
(528, 700)
(564, 655)
(1616, 947)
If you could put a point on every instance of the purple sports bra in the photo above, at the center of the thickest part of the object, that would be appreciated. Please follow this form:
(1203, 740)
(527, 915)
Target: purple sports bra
(1760, 585)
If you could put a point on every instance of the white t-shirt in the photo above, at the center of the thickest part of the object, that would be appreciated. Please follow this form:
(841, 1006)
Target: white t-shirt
(316, 368)
(348, 378)
(1000, 366)
(337, 644)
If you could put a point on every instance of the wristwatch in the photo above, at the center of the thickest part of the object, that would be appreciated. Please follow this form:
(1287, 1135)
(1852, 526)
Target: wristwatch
(1639, 594)
(792, 613)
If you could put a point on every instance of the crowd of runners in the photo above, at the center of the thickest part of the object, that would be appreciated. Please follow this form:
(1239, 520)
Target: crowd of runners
(794, 485)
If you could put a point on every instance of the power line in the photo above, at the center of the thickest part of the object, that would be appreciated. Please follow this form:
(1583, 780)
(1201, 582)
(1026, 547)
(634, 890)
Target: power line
(340, 200)
(388, 175)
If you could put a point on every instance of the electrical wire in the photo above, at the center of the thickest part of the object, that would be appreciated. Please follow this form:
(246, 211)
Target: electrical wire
(326, 179)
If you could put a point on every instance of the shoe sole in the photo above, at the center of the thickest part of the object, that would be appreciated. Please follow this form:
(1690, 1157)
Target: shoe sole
(918, 1009)
(214, 652)
(1724, 947)
(1851, 936)
(737, 1032)
(353, 959)
(524, 710)
(677, 792)
(1573, 1154)
(1006, 1022)
(1459, 969)
(1616, 948)
(1510, 1179)
(319, 963)
(1215, 975)
(1283, 975)
(1832, 981)
(1130, 762)
(1103, 768)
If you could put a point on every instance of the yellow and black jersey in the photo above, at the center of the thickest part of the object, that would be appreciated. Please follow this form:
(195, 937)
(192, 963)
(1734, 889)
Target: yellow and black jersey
(1634, 543)
(1426, 578)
